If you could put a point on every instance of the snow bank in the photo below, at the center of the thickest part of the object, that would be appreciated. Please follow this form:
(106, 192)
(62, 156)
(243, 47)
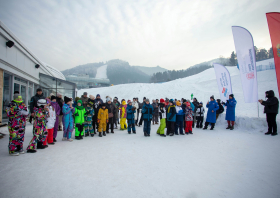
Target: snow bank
(101, 72)
(202, 85)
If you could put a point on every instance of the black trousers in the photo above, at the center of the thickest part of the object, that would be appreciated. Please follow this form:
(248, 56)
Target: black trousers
(271, 122)
(141, 120)
(199, 121)
(137, 116)
(170, 127)
(110, 124)
(212, 124)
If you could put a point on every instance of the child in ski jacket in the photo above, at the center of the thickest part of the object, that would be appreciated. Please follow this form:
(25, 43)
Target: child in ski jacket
(68, 120)
(200, 115)
(79, 115)
(88, 119)
(180, 116)
(39, 126)
(17, 113)
(102, 119)
(188, 119)
(123, 115)
(171, 118)
(131, 110)
(147, 113)
(162, 116)
(50, 123)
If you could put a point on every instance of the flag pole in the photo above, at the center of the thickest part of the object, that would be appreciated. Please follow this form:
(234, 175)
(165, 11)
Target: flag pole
(258, 109)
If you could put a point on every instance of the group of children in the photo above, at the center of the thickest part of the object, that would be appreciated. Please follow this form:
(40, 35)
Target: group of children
(86, 114)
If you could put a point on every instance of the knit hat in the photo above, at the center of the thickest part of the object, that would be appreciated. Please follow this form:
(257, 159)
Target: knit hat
(201, 103)
(129, 101)
(171, 100)
(161, 100)
(108, 99)
(53, 97)
(144, 98)
(231, 95)
(79, 101)
(178, 103)
(39, 89)
(188, 104)
(147, 100)
(66, 99)
(103, 105)
(16, 96)
(184, 100)
(97, 95)
(212, 97)
(85, 93)
(58, 94)
(91, 97)
(41, 102)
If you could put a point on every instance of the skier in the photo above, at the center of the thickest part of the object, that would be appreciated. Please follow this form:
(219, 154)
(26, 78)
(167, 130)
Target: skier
(211, 113)
(147, 114)
(111, 113)
(189, 119)
(123, 115)
(68, 121)
(162, 115)
(39, 126)
(200, 115)
(171, 118)
(131, 110)
(271, 106)
(51, 119)
(180, 115)
(230, 113)
(102, 119)
(17, 113)
(79, 115)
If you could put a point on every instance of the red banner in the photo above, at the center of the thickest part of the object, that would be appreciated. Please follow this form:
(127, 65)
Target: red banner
(273, 20)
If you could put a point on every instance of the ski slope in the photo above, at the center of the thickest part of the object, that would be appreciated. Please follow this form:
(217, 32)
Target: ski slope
(202, 85)
(101, 72)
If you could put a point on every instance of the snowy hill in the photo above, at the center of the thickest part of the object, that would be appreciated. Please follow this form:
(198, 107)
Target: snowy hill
(202, 85)
(150, 70)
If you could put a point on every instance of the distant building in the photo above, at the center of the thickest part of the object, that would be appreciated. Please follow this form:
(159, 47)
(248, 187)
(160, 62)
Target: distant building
(22, 71)
(83, 81)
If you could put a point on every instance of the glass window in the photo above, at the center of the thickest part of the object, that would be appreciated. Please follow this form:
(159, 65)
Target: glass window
(6, 94)
(21, 80)
(30, 94)
(23, 93)
(16, 87)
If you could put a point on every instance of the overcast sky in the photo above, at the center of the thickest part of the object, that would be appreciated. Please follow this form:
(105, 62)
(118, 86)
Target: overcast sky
(172, 34)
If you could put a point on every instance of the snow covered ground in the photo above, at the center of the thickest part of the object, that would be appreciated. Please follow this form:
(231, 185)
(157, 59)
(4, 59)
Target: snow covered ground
(202, 85)
(101, 72)
(219, 163)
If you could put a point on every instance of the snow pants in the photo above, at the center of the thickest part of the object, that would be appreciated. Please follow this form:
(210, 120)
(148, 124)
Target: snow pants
(68, 129)
(147, 126)
(60, 121)
(170, 127)
(88, 127)
(55, 129)
(102, 126)
(161, 127)
(199, 121)
(155, 118)
(79, 130)
(39, 135)
(49, 138)
(131, 124)
(16, 139)
(123, 124)
(271, 122)
(188, 126)
(179, 125)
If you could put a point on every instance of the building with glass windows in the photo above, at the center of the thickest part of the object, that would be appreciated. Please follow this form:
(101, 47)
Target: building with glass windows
(22, 71)
(83, 81)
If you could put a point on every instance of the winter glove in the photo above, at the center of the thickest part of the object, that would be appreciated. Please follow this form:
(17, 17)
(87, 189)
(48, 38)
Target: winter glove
(76, 114)
(227, 101)
(107, 121)
(98, 121)
(133, 108)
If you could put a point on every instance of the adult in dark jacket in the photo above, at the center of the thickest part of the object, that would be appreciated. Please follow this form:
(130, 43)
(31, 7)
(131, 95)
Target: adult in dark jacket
(271, 106)
(138, 111)
(60, 102)
(147, 114)
(84, 99)
(116, 103)
(230, 113)
(220, 110)
(171, 118)
(211, 113)
(111, 111)
(155, 115)
(33, 102)
(130, 110)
